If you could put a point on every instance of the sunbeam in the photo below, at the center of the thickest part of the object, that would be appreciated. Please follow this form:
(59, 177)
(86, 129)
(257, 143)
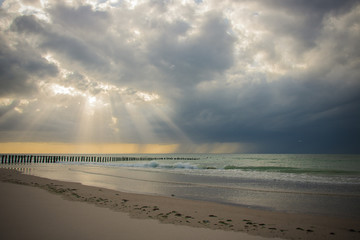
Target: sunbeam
(205, 76)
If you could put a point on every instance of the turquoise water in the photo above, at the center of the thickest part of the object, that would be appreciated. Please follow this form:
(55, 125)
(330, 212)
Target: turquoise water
(309, 168)
(312, 164)
(318, 184)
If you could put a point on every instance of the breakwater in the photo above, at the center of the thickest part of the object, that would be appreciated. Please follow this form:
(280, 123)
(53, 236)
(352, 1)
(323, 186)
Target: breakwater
(33, 158)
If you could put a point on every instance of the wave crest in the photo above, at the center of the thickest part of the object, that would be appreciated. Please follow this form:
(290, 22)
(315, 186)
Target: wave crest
(155, 164)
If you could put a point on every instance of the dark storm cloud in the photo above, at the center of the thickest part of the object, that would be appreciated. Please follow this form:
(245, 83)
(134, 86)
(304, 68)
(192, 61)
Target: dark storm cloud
(75, 50)
(277, 116)
(198, 57)
(27, 24)
(315, 111)
(300, 19)
(81, 18)
(72, 47)
(20, 67)
(316, 6)
(78, 34)
(307, 111)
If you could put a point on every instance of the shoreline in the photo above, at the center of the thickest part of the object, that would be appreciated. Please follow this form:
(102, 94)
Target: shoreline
(198, 214)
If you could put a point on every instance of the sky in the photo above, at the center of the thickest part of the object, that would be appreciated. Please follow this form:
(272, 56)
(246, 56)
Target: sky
(191, 76)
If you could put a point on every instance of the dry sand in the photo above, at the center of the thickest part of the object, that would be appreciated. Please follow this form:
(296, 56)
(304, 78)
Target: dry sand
(30, 213)
(97, 213)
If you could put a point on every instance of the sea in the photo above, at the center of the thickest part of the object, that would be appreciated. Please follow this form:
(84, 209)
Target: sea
(312, 184)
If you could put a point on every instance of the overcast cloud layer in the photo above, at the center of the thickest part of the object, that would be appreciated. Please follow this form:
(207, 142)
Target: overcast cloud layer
(265, 75)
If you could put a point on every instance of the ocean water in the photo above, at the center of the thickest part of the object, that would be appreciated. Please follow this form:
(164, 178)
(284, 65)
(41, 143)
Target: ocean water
(316, 184)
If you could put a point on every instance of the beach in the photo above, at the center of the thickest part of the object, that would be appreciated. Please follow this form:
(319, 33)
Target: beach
(203, 119)
(75, 210)
(32, 213)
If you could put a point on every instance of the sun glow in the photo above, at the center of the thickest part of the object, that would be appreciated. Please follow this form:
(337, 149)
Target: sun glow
(147, 97)
(58, 89)
(5, 101)
(120, 148)
(92, 100)
(90, 110)
(86, 148)
(133, 3)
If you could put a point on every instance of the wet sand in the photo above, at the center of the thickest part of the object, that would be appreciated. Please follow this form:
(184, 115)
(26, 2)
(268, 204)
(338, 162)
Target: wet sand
(30, 211)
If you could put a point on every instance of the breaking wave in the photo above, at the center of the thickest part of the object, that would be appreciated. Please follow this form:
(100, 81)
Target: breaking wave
(155, 164)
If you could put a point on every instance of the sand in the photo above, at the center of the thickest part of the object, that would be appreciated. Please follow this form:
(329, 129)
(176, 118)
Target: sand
(39, 208)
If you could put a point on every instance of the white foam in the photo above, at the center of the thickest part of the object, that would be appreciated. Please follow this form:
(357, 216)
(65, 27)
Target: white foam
(154, 164)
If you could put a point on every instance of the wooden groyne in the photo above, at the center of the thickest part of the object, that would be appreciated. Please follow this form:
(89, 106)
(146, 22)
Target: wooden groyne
(28, 158)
